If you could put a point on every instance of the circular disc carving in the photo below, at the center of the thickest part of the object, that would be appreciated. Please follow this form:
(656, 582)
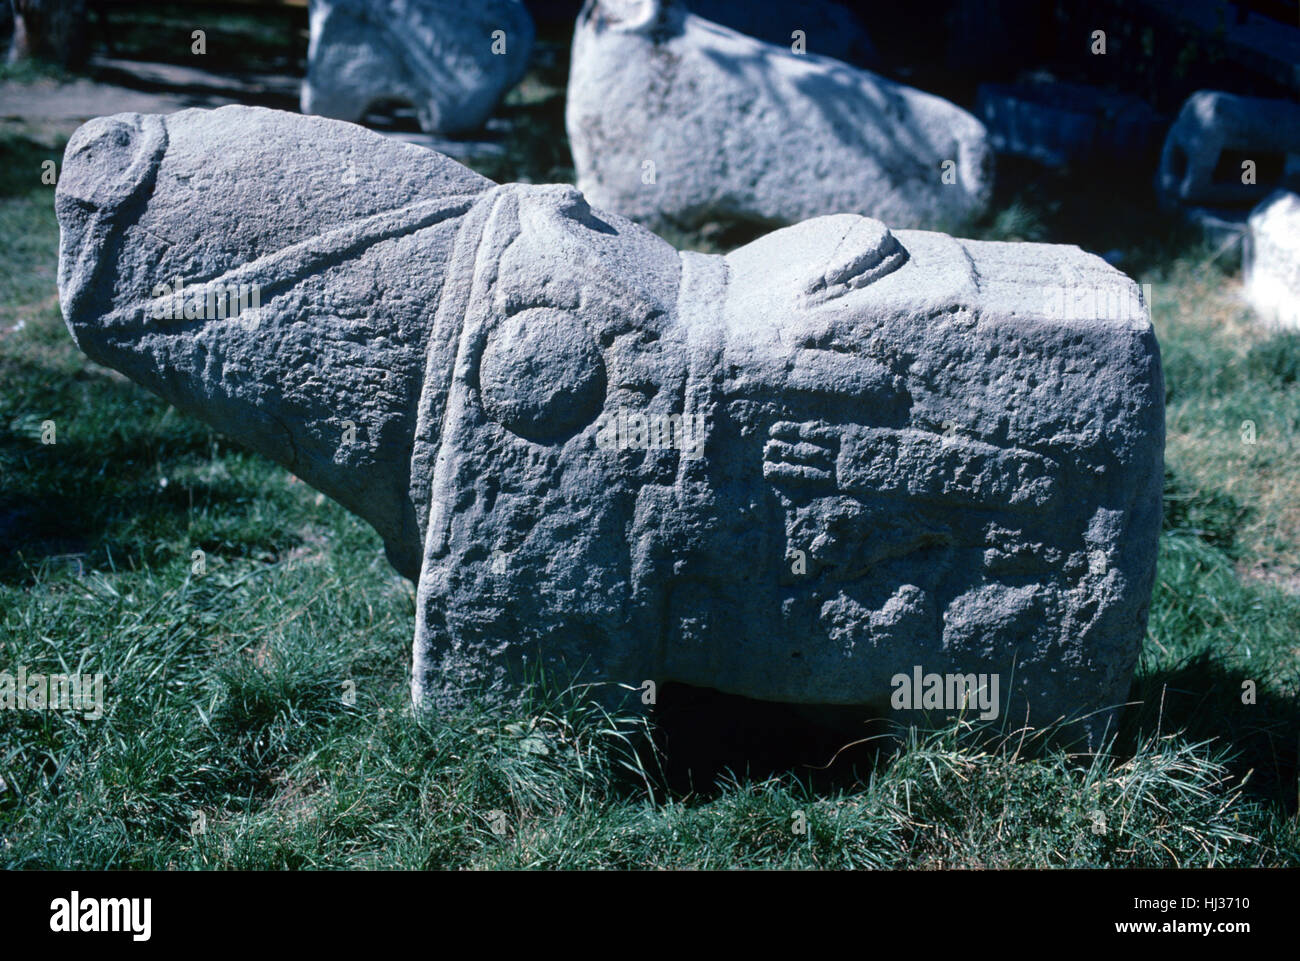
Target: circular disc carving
(542, 375)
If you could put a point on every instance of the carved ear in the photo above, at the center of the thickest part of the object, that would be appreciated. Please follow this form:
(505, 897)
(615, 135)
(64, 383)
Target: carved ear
(865, 253)
(821, 258)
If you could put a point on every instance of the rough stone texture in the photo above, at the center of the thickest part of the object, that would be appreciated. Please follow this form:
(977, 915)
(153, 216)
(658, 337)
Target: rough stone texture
(1061, 123)
(740, 128)
(1202, 158)
(1271, 259)
(915, 451)
(434, 54)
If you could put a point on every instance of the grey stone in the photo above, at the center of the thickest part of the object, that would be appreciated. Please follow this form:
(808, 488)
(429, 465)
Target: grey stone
(1271, 259)
(837, 456)
(676, 120)
(452, 61)
(1214, 136)
(1062, 123)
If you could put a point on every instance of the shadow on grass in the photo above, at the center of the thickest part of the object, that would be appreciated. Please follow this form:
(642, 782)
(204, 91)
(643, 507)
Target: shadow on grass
(96, 497)
(1218, 668)
(212, 93)
(1213, 516)
(703, 735)
(1202, 700)
(20, 160)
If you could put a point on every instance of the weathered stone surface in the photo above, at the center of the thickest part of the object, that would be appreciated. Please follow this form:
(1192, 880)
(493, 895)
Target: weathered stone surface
(451, 60)
(1214, 135)
(676, 120)
(1271, 259)
(1061, 123)
(833, 457)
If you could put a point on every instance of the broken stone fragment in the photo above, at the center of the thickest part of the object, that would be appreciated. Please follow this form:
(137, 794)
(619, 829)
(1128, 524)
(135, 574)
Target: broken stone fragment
(838, 455)
(674, 120)
(450, 60)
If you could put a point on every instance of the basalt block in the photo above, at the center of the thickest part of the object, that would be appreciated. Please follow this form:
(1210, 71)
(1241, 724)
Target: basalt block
(675, 120)
(452, 61)
(837, 456)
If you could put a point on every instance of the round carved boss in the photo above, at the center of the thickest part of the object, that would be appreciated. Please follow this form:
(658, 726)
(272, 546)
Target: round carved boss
(542, 376)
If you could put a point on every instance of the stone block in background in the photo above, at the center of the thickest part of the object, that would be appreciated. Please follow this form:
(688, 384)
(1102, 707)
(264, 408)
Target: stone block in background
(675, 120)
(1271, 261)
(1215, 136)
(449, 59)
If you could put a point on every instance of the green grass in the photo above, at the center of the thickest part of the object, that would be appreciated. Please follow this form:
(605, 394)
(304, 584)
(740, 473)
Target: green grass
(258, 713)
